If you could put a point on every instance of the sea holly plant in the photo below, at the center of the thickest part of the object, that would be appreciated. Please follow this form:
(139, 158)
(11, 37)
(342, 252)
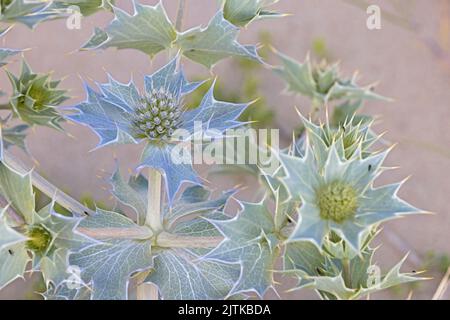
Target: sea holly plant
(166, 234)
(120, 114)
(35, 98)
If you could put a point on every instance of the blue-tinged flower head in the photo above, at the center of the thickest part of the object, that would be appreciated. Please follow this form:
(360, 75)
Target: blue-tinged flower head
(119, 113)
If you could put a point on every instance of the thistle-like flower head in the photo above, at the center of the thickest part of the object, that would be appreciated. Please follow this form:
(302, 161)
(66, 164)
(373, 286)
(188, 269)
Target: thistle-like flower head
(39, 239)
(119, 113)
(338, 194)
(158, 116)
(35, 98)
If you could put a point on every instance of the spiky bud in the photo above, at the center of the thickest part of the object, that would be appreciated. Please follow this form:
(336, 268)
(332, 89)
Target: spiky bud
(36, 97)
(325, 76)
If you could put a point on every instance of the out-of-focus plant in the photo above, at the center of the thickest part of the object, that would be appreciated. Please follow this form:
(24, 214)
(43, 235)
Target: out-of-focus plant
(326, 208)
(248, 74)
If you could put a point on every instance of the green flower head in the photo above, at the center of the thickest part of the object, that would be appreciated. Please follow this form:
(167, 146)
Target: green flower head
(35, 98)
(39, 239)
(338, 195)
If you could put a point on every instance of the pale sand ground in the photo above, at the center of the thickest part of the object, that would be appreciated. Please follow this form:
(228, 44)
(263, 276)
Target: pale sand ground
(407, 70)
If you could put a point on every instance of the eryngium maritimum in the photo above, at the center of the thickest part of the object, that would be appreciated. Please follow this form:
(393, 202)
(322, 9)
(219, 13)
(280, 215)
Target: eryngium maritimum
(119, 113)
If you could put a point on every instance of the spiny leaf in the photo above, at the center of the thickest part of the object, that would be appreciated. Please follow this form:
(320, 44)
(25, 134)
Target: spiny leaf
(195, 200)
(13, 262)
(8, 236)
(53, 262)
(18, 191)
(182, 275)
(160, 157)
(215, 42)
(108, 265)
(185, 274)
(250, 242)
(130, 196)
(15, 136)
(148, 30)
(321, 82)
(65, 292)
(5, 54)
(29, 13)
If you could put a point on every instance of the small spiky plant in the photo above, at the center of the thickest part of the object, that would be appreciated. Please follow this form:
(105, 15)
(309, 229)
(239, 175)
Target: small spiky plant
(35, 98)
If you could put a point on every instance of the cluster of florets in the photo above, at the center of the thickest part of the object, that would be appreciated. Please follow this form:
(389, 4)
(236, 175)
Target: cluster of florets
(158, 116)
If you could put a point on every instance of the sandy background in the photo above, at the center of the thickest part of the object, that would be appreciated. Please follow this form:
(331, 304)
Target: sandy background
(413, 67)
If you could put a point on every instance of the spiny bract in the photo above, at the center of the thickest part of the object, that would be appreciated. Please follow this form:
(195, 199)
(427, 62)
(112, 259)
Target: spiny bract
(338, 194)
(35, 98)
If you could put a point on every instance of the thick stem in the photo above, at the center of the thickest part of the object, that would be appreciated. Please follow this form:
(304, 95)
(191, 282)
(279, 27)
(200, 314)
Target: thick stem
(153, 218)
(168, 240)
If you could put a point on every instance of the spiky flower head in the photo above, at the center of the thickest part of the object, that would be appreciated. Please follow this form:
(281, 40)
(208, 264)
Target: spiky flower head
(35, 98)
(338, 195)
(39, 239)
(119, 113)
(158, 116)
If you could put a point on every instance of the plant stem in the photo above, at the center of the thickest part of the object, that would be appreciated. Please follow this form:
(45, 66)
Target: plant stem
(180, 13)
(145, 291)
(138, 233)
(153, 218)
(346, 272)
(47, 188)
(168, 240)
